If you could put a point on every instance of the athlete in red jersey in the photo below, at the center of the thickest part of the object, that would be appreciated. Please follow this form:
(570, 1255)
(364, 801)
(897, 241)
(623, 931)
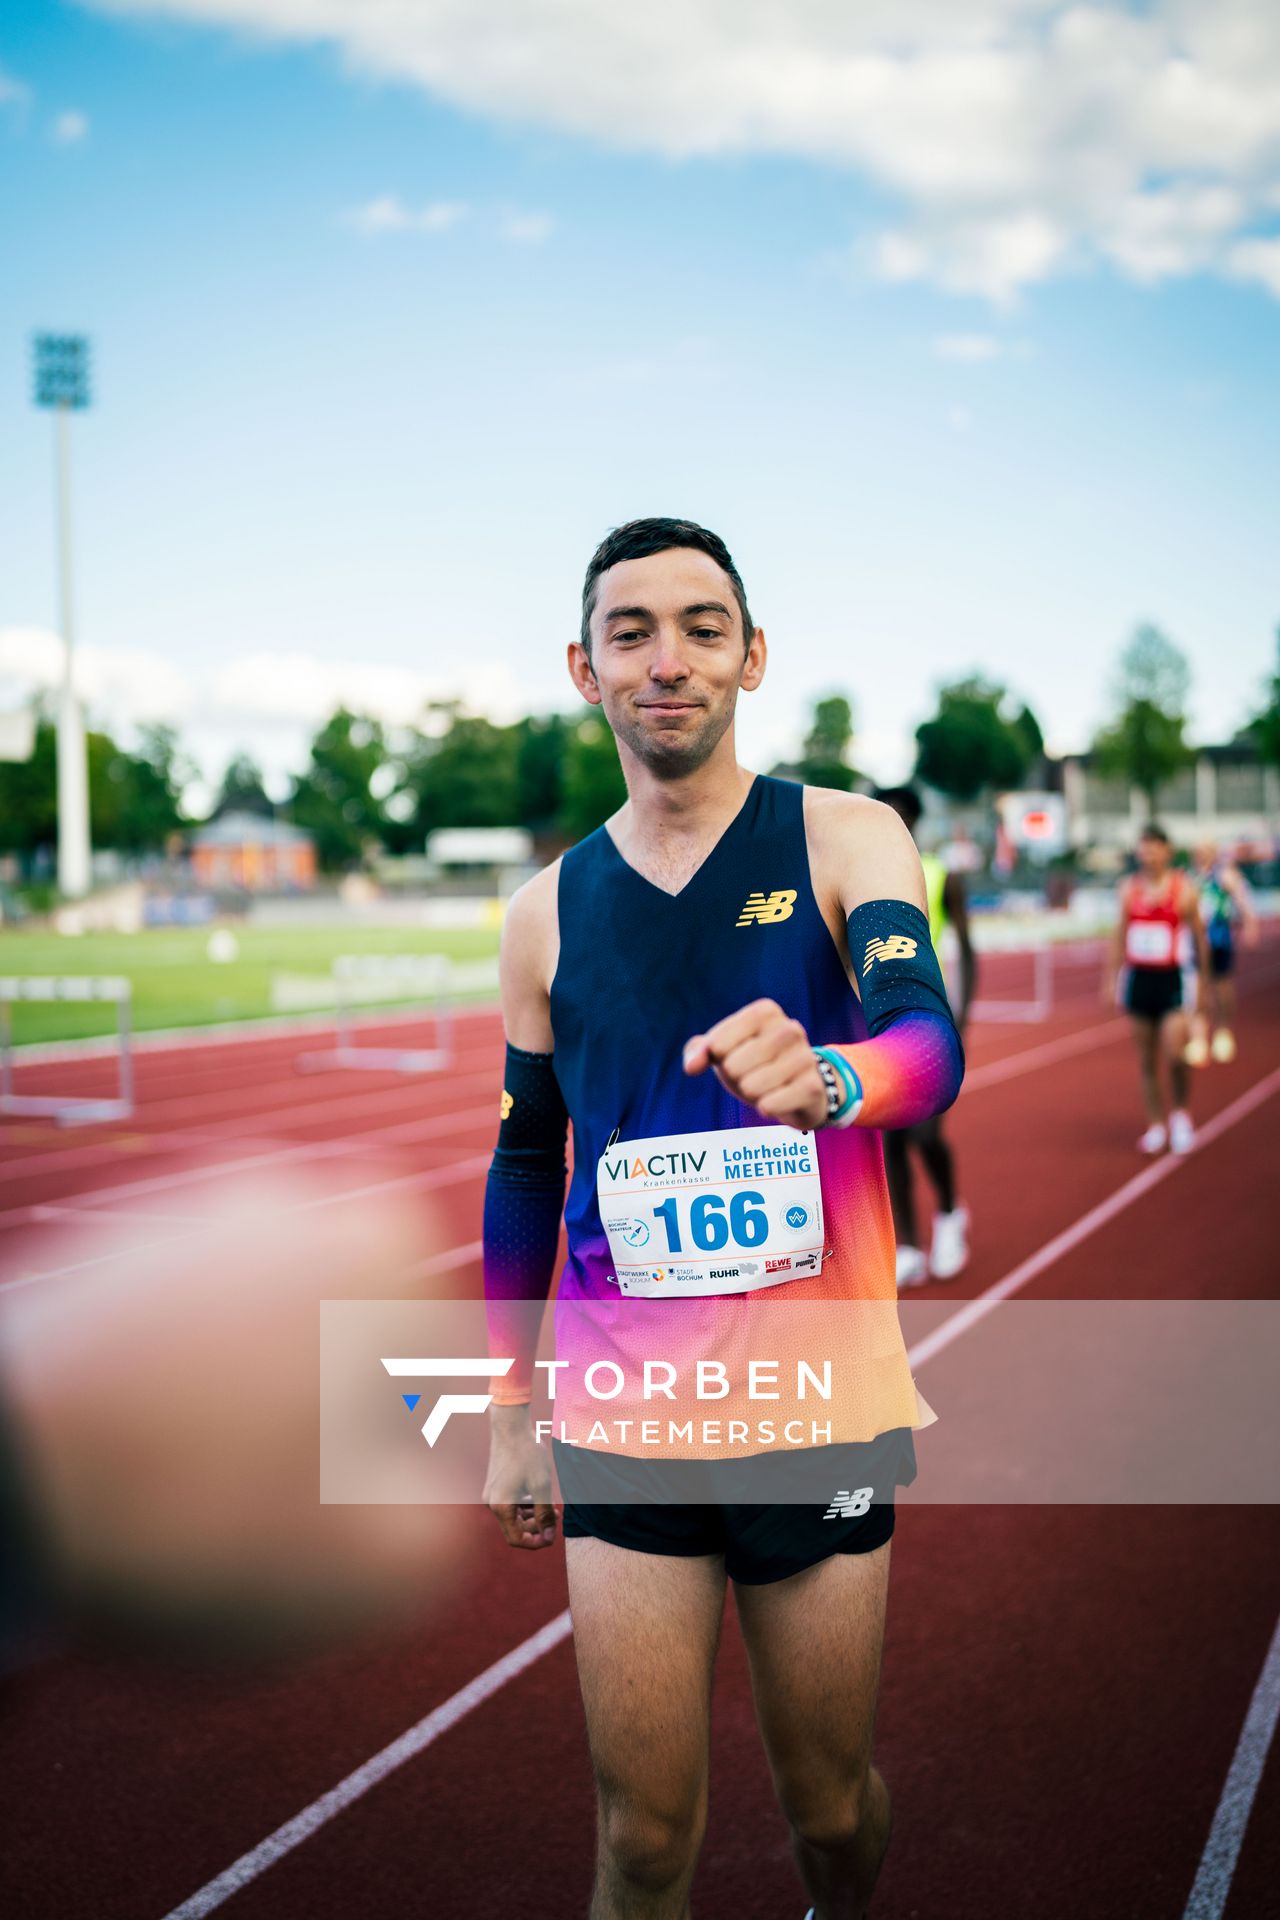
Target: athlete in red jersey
(1155, 905)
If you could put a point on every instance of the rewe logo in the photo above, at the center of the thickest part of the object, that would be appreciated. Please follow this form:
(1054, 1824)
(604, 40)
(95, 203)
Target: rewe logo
(464, 1369)
(764, 911)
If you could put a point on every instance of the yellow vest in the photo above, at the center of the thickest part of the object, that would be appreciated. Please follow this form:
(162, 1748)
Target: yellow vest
(935, 887)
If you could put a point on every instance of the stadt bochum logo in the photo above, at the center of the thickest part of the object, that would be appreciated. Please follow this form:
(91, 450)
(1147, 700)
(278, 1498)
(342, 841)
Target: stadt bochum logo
(467, 1368)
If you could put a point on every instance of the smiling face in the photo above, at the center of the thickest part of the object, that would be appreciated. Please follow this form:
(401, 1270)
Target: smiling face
(668, 656)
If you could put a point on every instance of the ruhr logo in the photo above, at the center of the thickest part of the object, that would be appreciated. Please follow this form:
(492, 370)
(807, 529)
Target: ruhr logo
(467, 1368)
(766, 910)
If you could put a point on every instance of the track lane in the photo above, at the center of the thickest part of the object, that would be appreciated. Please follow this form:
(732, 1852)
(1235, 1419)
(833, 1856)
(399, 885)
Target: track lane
(392, 1857)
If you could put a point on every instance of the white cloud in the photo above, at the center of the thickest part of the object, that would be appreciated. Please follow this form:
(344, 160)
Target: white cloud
(69, 129)
(1022, 137)
(1256, 260)
(526, 229)
(15, 95)
(970, 348)
(269, 701)
(389, 214)
(122, 685)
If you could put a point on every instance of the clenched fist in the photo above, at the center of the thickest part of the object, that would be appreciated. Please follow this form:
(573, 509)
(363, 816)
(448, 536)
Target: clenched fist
(763, 1057)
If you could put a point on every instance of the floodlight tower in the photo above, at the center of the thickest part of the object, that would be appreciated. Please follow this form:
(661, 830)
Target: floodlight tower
(62, 385)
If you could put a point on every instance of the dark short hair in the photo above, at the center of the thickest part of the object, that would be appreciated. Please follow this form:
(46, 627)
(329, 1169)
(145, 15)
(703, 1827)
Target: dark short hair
(905, 802)
(1154, 831)
(637, 540)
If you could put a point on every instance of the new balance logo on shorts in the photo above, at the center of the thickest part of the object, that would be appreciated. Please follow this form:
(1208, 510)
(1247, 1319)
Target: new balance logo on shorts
(850, 1506)
(765, 911)
(897, 947)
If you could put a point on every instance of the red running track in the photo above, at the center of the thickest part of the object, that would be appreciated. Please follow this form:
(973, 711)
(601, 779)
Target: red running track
(1064, 1688)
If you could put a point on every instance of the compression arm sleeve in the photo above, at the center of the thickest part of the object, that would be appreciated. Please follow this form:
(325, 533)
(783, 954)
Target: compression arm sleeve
(912, 1065)
(523, 1202)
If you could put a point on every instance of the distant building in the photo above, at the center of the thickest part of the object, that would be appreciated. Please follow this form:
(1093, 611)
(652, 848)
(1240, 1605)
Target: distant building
(1226, 795)
(242, 850)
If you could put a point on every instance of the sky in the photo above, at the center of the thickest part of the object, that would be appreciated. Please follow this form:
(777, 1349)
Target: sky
(959, 319)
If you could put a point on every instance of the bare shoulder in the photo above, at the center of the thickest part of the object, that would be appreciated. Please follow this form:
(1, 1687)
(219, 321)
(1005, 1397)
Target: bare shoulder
(529, 951)
(859, 850)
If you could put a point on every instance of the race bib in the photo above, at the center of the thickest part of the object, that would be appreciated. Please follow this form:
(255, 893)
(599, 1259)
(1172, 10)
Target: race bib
(1149, 943)
(708, 1213)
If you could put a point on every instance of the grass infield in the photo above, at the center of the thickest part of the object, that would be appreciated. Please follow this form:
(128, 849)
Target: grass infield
(175, 984)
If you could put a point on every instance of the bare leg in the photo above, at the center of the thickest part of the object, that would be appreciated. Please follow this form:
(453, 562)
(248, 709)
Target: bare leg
(1146, 1038)
(1173, 1038)
(814, 1644)
(897, 1167)
(645, 1629)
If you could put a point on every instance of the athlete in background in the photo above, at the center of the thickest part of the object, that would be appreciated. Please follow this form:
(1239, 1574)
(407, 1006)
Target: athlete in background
(1224, 902)
(688, 971)
(949, 1251)
(1156, 903)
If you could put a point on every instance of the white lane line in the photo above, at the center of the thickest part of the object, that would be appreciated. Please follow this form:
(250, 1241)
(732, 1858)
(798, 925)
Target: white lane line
(398, 1133)
(407, 1747)
(1226, 1835)
(312, 1818)
(422, 1182)
(229, 1032)
(1045, 1055)
(986, 1302)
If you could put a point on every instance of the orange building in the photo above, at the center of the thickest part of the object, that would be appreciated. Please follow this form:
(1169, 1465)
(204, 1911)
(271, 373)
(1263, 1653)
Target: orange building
(261, 856)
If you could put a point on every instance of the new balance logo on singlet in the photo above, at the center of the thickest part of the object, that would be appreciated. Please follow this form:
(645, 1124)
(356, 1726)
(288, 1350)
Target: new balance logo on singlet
(897, 947)
(767, 909)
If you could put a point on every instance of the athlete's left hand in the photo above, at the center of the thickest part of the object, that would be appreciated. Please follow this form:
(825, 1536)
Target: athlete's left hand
(763, 1057)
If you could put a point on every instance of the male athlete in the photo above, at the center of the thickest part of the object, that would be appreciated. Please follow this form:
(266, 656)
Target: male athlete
(688, 971)
(1156, 904)
(949, 1249)
(1225, 903)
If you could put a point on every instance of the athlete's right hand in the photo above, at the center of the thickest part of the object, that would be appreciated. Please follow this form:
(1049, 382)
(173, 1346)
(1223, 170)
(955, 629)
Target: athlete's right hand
(518, 1488)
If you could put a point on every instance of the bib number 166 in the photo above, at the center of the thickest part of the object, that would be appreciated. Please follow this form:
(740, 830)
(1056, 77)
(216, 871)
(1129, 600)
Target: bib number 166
(711, 1224)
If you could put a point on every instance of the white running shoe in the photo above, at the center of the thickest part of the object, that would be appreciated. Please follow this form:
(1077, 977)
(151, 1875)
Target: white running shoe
(1155, 1139)
(949, 1254)
(1182, 1133)
(1224, 1045)
(913, 1268)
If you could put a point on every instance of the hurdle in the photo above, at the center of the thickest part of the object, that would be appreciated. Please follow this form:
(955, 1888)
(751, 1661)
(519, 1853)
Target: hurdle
(1038, 1007)
(66, 1111)
(359, 978)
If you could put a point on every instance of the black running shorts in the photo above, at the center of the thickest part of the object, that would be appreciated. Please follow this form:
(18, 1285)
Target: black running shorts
(839, 1499)
(1152, 992)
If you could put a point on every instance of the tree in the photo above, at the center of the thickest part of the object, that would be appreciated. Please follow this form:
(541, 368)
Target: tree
(150, 784)
(1264, 729)
(332, 800)
(1027, 727)
(540, 756)
(593, 786)
(133, 797)
(242, 790)
(973, 744)
(1145, 743)
(29, 797)
(824, 761)
(467, 777)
